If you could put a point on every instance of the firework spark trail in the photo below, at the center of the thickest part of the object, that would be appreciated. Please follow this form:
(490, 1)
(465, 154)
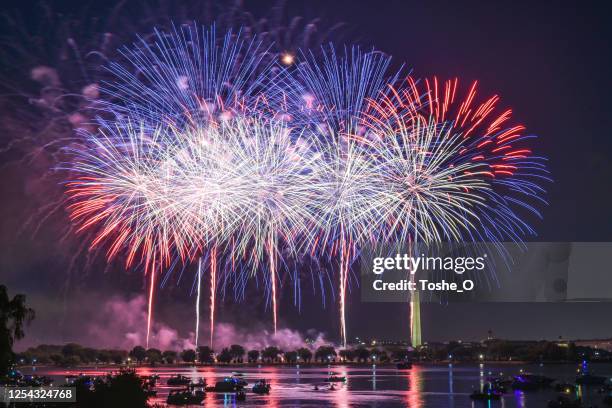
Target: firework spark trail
(272, 267)
(357, 161)
(188, 75)
(150, 302)
(213, 291)
(329, 93)
(197, 328)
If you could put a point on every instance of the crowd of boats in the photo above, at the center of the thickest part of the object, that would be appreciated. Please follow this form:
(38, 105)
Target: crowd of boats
(194, 392)
(185, 391)
(496, 387)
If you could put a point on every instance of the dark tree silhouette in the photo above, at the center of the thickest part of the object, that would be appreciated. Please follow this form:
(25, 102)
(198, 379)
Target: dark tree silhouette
(225, 356)
(154, 356)
(205, 354)
(188, 356)
(237, 352)
(170, 356)
(291, 356)
(325, 353)
(270, 353)
(305, 354)
(253, 356)
(138, 353)
(14, 314)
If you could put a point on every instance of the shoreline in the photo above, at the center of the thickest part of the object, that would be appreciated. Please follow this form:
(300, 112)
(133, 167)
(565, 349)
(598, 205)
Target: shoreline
(301, 365)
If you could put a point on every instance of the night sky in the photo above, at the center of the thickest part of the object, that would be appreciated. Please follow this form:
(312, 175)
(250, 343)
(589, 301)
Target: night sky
(549, 62)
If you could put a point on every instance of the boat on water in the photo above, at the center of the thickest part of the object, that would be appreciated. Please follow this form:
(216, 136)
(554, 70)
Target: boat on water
(335, 378)
(565, 387)
(36, 381)
(261, 387)
(229, 384)
(486, 395)
(564, 402)
(500, 380)
(530, 382)
(185, 397)
(178, 380)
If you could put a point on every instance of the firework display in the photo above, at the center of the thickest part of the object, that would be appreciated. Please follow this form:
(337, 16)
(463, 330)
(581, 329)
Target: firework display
(215, 152)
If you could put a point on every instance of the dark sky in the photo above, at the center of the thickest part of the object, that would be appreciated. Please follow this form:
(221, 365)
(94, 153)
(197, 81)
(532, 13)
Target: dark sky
(550, 62)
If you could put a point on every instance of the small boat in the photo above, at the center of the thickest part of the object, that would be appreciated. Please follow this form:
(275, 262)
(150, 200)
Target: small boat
(227, 385)
(336, 378)
(565, 387)
(564, 402)
(178, 380)
(530, 382)
(200, 384)
(488, 395)
(240, 382)
(500, 380)
(589, 379)
(185, 397)
(494, 387)
(261, 387)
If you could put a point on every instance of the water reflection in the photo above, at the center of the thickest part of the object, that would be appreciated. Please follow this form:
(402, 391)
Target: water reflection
(422, 386)
(415, 383)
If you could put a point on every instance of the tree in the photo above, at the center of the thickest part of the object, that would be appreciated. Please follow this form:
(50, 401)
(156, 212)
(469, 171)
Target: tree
(237, 352)
(138, 353)
(104, 356)
(305, 354)
(125, 389)
(253, 356)
(14, 314)
(347, 354)
(170, 356)
(154, 356)
(325, 353)
(362, 354)
(400, 354)
(88, 355)
(71, 349)
(291, 356)
(188, 356)
(118, 356)
(206, 355)
(270, 353)
(378, 356)
(225, 356)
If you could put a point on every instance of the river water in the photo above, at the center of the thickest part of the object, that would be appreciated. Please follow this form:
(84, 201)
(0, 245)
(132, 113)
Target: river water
(422, 386)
